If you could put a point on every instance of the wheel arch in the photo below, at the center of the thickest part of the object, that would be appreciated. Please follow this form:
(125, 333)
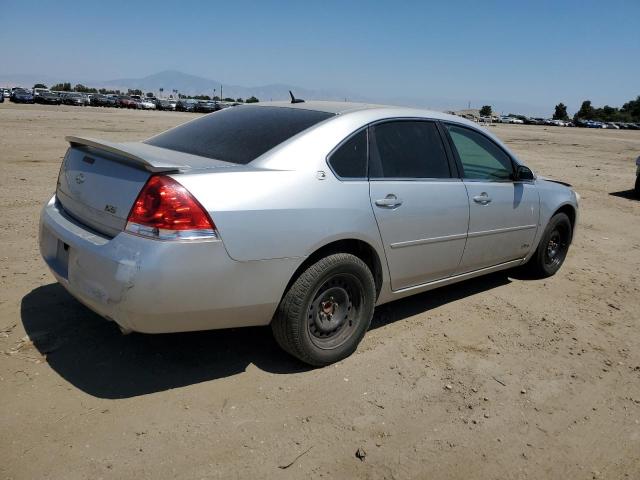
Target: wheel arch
(570, 211)
(359, 248)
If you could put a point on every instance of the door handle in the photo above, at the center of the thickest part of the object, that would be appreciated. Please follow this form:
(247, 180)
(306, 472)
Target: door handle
(482, 199)
(390, 201)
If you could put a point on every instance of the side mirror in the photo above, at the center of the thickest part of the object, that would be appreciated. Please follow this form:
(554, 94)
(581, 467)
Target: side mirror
(524, 173)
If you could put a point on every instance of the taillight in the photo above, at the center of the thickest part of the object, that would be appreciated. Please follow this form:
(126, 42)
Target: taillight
(165, 210)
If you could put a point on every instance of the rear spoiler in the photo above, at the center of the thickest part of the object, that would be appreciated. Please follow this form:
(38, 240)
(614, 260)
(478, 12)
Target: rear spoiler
(152, 159)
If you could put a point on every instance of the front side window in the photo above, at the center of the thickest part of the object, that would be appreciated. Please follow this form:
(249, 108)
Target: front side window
(481, 158)
(350, 159)
(408, 149)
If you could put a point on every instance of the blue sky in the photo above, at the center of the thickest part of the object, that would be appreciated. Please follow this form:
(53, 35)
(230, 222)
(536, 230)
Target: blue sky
(536, 53)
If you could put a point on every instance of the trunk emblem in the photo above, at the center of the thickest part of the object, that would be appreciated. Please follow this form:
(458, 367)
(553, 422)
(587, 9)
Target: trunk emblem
(80, 178)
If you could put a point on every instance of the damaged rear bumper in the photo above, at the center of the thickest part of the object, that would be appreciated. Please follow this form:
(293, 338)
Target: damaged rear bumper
(156, 286)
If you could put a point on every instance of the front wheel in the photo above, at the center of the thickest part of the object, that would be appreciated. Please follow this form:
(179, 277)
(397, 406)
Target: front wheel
(637, 188)
(553, 247)
(327, 310)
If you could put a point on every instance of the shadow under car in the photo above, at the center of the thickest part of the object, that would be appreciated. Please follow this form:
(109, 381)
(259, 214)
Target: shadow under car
(92, 354)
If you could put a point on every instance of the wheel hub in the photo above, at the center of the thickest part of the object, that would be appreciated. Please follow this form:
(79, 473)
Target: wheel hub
(556, 248)
(552, 249)
(331, 309)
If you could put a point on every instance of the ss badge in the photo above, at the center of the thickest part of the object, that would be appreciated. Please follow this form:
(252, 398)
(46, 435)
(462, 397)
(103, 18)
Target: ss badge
(110, 209)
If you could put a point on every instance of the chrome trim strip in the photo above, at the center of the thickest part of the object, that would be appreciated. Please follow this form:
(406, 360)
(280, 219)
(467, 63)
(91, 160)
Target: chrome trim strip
(425, 241)
(500, 230)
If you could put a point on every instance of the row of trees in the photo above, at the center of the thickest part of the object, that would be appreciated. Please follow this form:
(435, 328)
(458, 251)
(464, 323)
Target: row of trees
(66, 87)
(629, 112)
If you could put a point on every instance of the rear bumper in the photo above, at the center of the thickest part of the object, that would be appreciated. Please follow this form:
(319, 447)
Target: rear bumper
(155, 286)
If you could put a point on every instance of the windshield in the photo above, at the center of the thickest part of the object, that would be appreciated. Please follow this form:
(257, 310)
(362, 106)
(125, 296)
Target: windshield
(239, 134)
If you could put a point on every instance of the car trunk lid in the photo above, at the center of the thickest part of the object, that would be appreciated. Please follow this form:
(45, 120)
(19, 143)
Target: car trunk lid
(99, 180)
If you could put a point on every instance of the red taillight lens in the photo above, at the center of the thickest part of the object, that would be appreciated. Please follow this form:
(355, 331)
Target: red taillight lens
(165, 210)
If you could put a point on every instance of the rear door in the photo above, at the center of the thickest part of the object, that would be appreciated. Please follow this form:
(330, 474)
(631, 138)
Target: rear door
(421, 207)
(503, 213)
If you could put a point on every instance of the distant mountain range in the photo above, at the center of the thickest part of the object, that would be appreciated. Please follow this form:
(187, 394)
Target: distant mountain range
(187, 85)
(195, 85)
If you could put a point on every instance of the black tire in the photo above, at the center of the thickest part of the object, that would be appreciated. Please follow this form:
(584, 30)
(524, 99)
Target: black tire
(553, 247)
(327, 310)
(637, 188)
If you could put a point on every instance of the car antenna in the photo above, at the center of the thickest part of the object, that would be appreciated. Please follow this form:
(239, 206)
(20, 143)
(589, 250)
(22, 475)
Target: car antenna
(294, 99)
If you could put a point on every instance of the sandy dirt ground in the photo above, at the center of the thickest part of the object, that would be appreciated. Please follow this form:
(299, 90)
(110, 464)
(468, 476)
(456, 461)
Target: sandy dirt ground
(499, 377)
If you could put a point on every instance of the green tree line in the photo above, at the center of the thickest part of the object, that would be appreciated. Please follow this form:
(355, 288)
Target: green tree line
(629, 112)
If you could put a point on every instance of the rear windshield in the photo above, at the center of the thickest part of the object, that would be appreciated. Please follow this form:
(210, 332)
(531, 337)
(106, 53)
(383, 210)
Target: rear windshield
(238, 134)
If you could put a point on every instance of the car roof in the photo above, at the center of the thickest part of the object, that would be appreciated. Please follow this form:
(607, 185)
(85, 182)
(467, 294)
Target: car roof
(374, 110)
(321, 106)
(364, 113)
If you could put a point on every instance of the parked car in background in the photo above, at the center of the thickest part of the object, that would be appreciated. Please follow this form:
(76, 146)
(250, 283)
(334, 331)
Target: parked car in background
(20, 95)
(206, 106)
(111, 100)
(1, 97)
(39, 91)
(125, 101)
(99, 100)
(190, 230)
(6, 93)
(594, 124)
(147, 104)
(75, 99)
(509, 119)
(48, 98)
(166, 105)
(186, 105)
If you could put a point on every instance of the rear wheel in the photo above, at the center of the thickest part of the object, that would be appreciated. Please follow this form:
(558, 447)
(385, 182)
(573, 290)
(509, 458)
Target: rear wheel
(637, 189)
(326, 312)
(553, 247)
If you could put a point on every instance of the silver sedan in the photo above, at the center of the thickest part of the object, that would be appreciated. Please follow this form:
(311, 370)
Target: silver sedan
(304, 216)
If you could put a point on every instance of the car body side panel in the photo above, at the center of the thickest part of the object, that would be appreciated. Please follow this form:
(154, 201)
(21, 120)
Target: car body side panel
(425, 236)
(553, 196)
(503, 229)
(263, 215)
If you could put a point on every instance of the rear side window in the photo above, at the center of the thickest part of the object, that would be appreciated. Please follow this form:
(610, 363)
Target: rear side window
(350, 159)
(408, 149)
(481, 158)
(238, 134)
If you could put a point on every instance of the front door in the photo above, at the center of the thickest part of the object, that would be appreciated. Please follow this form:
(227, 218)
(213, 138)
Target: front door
(503, 216)
(422, 209)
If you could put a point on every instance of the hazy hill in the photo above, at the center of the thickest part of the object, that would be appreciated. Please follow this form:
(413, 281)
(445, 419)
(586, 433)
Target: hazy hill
(193, 85)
